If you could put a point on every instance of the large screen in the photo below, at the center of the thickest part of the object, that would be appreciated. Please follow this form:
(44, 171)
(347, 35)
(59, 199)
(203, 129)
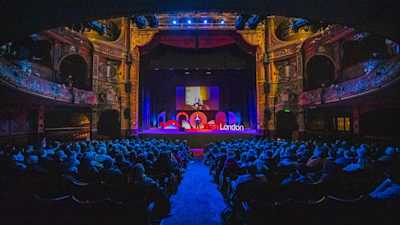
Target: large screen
(204, 98)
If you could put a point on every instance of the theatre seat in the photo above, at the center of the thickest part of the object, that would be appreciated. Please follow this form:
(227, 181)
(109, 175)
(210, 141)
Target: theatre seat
(345, 211)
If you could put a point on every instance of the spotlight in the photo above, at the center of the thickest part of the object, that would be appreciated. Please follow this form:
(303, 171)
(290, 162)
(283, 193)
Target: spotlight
(189, 21)
(240, 22)
(205, 21)
(174, 22)
(153, 21)
(253, 21)
(222, 22)
(141, 22)
(299, 23)
(97, 26)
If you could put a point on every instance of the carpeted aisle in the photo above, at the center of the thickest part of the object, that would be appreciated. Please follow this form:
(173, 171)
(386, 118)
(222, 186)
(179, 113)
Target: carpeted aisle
(198, 201)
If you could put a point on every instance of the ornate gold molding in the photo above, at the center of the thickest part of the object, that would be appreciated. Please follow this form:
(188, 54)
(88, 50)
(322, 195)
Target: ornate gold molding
(257, 38)
(141, 37)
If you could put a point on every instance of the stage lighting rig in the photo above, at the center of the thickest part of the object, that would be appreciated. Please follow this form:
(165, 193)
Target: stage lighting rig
(253, 21)
(153, 21)
(240, 22)
(299, 23)
(97, 26)
(141, 22)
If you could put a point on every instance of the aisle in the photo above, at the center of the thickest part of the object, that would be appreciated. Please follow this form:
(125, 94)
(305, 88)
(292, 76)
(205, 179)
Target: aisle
(198, 201)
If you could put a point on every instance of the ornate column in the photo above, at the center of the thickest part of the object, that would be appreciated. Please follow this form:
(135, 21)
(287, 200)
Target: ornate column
(284, 66)
(127, 86)
(272, 95)
(257, 38)
(95, 112)
(139, 37)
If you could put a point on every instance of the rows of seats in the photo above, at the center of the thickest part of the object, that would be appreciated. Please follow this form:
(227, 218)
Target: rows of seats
(97, 182)
(306, 182)
(326, 209)
(74, 202)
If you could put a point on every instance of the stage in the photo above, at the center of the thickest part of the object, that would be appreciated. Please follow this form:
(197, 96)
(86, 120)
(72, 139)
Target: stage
(198, 138)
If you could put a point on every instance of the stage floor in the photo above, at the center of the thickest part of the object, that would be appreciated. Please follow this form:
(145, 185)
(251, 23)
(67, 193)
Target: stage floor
(198, 138)
(193, 131)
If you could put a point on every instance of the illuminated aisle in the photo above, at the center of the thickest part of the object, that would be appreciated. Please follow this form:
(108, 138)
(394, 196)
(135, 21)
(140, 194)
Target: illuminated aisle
(198, 201)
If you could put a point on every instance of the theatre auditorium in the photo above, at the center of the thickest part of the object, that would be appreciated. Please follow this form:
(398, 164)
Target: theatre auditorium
(217, 112)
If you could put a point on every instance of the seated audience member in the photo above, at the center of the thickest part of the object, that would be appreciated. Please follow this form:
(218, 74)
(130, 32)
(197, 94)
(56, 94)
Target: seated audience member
(250, 176)
(294, 176)
(388, 189)
(317, 160)
(143, 187)
(110, 173)
(344, 157)
(361, 160)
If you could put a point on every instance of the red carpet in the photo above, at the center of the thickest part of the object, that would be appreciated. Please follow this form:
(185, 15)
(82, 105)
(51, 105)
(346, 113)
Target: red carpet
(198, 152)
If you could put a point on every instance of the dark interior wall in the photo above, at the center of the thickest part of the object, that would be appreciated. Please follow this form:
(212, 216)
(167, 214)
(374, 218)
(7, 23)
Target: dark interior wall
(373, 15)
(161, 72)
(380, 123)
(356, 51)
(17, 121)
(62, 118)
(220, 58)
(286, 124)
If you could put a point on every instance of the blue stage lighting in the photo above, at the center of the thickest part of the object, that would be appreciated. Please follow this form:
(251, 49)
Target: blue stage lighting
(253, 21)
(189, 22)
(205, 21)
(222, 22)
(240, 22)
(174, 22)
(141, 22)
(152, 21)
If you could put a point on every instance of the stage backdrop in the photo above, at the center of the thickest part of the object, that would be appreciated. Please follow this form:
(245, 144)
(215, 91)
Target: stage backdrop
(224, 77)
(203, 98)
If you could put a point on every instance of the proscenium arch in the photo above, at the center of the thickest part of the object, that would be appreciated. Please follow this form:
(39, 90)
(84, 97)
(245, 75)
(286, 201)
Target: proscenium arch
(20, 17)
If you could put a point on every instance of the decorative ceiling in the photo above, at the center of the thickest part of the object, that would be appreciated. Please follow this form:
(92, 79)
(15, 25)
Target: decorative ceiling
(20, 17)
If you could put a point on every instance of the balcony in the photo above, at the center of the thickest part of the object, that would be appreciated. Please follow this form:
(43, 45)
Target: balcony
(377, 75)
(13, 76)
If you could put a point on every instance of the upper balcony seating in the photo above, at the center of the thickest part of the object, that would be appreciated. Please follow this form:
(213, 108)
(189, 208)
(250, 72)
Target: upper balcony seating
(376, 77)
(13, 76)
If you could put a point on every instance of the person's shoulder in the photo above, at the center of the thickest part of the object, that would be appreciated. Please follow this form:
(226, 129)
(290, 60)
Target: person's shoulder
(149, 181)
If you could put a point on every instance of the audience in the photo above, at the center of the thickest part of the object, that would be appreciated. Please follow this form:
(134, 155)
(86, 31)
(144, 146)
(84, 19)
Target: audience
(138, 166)
(303, 170)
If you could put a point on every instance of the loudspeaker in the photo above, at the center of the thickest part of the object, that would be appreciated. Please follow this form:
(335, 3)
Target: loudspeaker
(266, 87)
(128, 87)
(267, 114)
(127, 113)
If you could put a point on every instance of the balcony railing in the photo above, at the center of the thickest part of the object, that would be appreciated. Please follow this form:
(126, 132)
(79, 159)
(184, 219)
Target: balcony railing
(380, 76)
(13, 76)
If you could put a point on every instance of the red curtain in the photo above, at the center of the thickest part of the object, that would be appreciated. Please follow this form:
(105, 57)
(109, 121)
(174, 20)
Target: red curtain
(198, 39)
